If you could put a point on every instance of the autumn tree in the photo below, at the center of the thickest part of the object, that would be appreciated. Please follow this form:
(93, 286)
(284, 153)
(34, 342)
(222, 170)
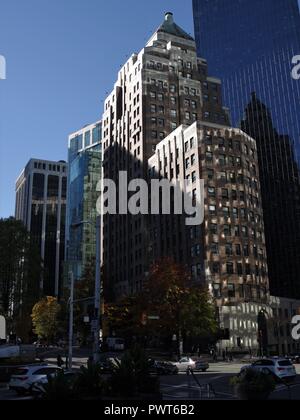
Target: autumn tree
(168, 306)
(45, 318)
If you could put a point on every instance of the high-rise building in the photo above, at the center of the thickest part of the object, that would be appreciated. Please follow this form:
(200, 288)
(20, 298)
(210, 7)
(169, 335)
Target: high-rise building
(85, 169)
(250, 46)
(157, 90)
(280, 186)
(41, 191)
(227, 252)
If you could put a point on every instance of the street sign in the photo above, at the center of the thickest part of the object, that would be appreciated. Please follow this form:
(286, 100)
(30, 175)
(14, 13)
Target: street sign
(153, 318)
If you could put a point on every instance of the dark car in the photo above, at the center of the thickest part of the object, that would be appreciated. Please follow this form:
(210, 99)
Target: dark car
(163, 368)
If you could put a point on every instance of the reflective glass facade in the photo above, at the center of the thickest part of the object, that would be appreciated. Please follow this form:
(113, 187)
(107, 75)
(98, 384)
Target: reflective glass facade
(85, 162)
(250, 46)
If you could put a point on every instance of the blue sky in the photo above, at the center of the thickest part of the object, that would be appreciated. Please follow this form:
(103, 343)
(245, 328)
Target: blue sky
(62, 57)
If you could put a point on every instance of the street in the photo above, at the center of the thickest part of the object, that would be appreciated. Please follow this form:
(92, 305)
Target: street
(183, 387)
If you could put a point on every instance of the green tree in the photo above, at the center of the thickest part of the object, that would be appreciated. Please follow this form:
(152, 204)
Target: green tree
(45, 319)
(20, 274)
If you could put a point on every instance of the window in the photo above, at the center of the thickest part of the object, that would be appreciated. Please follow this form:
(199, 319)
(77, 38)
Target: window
(227, 230)
(160, 97)
(234, 195)
(194, 104)
(194, 177)
(173, 88)
(221, 141)
(153, 109)
(225, 194)
(209, 157)
(216, 268)
(229, 249)
(154, 134)
(215, 248)
(222, 160)
(217, 291)
(173, 113)
(187, 163)
(245, 232)
(187, 115)
(161, 122)
(187, 102)
(238, 250)
(213, 228)
(212, 210)
(239, 267)
(173, 100)
(193, 159)
(246, 251)
(153, 121)
(208, 140)
(231, 290)
(229, 268)
(153, 95)
(211, 192)
(226, 211)
(210, 174)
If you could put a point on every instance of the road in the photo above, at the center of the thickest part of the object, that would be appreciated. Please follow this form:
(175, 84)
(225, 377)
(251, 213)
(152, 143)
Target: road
(181, 387)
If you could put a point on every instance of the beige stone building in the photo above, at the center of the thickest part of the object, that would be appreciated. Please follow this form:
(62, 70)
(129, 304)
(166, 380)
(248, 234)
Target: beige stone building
(227, 252)
(162, 87)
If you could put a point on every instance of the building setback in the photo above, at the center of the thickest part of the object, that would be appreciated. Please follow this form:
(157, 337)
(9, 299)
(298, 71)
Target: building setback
(250, 46)
(227, 252)
(41, 205)
(85, 170)
(157, 90)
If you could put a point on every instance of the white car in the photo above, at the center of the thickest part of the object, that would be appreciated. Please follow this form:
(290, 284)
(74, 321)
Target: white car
(282, 369)
(186, 363)
(25, 377)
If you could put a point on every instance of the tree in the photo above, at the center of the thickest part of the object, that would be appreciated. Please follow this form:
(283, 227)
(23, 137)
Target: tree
(183, 310)
(20, 274)
(168, 306)
(45, 318)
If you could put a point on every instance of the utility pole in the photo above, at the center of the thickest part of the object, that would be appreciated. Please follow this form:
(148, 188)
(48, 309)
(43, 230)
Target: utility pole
(97, 309)
(71, 322)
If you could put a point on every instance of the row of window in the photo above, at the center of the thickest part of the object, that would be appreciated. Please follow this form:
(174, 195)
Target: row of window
(238, 249)
(50, 167)
(234, 212)
(239, 269)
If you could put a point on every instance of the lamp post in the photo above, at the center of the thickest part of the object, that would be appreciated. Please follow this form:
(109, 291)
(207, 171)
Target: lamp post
(97, 297)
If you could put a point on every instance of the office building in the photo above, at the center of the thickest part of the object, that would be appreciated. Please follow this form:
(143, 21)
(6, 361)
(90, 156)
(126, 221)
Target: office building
(227, 252)
(250, 46)
(85, 168)
(41, 191)
(158, 89)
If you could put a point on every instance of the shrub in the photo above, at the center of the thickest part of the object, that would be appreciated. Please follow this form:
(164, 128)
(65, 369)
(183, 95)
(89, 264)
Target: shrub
(254, 385)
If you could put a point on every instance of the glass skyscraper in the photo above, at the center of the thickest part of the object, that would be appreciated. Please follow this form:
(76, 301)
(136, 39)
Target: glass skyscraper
(250, 46)
(85, 165)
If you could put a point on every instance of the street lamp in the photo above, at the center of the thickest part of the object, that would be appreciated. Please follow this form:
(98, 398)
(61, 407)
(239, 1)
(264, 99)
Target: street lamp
(97, 297)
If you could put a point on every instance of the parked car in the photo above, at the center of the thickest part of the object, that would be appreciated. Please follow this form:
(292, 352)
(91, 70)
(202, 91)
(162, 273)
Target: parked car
(186, 363)
(24, 378)
(163, 368)
(282, 369)
(38, 390)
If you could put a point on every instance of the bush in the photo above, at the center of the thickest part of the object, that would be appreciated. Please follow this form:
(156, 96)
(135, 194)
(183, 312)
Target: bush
(89, 383)
(254, 385)
(131, 377)
(59, 388)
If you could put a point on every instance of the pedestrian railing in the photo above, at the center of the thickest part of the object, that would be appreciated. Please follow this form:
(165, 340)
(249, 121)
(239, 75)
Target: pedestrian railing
(206, 391)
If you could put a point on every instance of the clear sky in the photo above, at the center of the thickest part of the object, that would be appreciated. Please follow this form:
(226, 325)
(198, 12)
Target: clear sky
(62, 58)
